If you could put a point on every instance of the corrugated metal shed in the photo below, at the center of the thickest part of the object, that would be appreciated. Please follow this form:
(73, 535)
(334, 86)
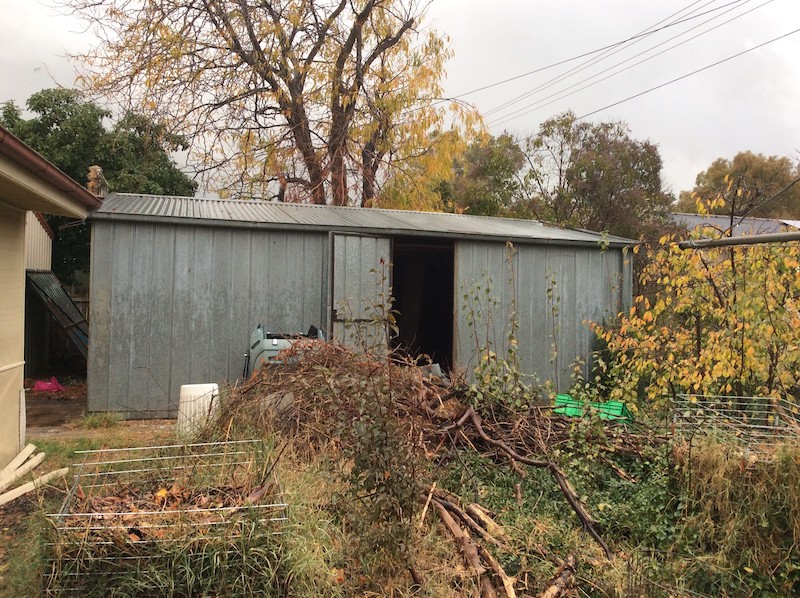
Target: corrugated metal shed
(178, 284)
(289, 216)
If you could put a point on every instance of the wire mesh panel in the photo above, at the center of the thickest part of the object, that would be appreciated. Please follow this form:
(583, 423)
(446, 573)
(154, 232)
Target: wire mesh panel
(751, 420)
(168, 520)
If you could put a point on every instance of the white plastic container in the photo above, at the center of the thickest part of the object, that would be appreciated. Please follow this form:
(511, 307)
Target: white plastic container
(198, 403)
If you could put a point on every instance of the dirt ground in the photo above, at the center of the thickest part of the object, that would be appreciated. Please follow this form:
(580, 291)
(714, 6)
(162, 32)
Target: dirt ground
(51, 409)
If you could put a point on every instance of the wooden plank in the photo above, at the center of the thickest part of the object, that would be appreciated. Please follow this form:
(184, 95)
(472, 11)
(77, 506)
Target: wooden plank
(33, 485)
(9, 469)
(21, 471)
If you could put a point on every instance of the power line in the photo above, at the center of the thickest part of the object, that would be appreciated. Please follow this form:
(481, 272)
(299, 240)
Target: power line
(607, 52)
(585, 54)
(687, 75)
(541, 103)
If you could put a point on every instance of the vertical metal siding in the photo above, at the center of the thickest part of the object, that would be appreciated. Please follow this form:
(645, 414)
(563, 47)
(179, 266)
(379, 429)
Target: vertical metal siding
(585, 285)
(38, 244)
(361, 276)
(174, 305)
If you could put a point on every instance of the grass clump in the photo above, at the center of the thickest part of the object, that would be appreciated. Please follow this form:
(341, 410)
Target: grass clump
(100, 419)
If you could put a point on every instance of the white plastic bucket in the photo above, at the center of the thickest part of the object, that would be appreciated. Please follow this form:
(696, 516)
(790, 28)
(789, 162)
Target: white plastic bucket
(198, 403)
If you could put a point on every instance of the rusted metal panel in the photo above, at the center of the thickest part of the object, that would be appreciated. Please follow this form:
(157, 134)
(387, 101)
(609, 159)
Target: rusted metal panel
(61, 307)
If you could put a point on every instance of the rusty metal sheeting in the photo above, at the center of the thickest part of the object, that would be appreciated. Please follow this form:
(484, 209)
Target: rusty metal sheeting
(62, 308)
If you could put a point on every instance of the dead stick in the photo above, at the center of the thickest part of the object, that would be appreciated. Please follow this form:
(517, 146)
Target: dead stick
(572, 498)
(468, 520)
(562, 580)
(508, 582)
(469, 549)
(480, 515)
(427, 504)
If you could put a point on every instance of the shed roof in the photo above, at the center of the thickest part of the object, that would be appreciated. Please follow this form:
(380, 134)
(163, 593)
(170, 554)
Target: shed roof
(264, 214)
(743, 226)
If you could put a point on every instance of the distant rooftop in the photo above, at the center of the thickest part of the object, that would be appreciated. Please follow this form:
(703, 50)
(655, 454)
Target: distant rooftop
(264, 214)
(742, 226)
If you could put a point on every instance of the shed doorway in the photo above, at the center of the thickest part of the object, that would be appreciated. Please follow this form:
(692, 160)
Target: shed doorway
(423, 275)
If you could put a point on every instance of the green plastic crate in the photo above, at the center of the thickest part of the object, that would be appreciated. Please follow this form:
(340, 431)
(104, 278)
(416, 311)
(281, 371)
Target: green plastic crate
(610, 410)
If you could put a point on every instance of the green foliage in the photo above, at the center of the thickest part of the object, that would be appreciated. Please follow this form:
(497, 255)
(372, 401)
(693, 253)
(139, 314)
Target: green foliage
(746, 181)
(381, 485)
(75, 134)
(381, 477)
(485, 177)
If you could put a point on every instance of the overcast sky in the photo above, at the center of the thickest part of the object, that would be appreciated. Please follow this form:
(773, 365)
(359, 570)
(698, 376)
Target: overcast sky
(751, 102)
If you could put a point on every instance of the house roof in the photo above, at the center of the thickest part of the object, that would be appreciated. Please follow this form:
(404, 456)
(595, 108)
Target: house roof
(742, 226)
(264, 214)
(29, 182)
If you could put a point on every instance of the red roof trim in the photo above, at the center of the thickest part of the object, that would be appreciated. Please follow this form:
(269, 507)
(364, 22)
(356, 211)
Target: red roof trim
(16, 151)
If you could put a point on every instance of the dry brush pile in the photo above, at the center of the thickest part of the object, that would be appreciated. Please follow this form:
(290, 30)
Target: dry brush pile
(396, 429)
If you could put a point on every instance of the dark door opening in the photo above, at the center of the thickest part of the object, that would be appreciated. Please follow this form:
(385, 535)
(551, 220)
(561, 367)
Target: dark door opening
(423, 290)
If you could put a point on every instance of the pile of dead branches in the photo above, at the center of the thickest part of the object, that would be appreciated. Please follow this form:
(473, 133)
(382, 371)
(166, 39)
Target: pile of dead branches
(305, 396)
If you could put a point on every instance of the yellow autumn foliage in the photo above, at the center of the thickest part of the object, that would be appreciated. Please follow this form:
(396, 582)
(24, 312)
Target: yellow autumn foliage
(715, 321)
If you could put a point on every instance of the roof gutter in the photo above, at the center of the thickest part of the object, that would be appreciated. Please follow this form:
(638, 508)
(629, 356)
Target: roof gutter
(15, 150)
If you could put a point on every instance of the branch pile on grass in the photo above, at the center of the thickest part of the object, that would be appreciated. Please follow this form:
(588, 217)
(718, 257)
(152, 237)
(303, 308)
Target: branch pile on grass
(305, 398)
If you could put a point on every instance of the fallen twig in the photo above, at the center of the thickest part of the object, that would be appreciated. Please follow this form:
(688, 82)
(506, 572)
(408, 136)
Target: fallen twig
(561, 582)
(469, 548)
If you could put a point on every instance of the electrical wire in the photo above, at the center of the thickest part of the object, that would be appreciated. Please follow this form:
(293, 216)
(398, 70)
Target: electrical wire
(687, 75)
(607, 52)
(559, 95)
(583, 55)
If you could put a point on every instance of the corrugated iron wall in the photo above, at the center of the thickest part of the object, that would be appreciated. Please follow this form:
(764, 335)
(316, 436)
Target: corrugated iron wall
(557, 290)
(38, 244)
(174, 305)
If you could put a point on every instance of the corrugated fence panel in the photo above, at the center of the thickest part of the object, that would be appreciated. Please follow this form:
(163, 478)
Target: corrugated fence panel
(557, 292)
(175, 305)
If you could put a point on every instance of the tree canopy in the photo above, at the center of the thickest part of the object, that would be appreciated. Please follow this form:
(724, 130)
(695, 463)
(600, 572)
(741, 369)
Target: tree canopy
(306, 100)
(74, 134)
(594, 176)
(747, 181)
(571, 173)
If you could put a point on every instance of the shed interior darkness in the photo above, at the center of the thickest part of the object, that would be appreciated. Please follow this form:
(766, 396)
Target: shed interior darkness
(422, 284)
